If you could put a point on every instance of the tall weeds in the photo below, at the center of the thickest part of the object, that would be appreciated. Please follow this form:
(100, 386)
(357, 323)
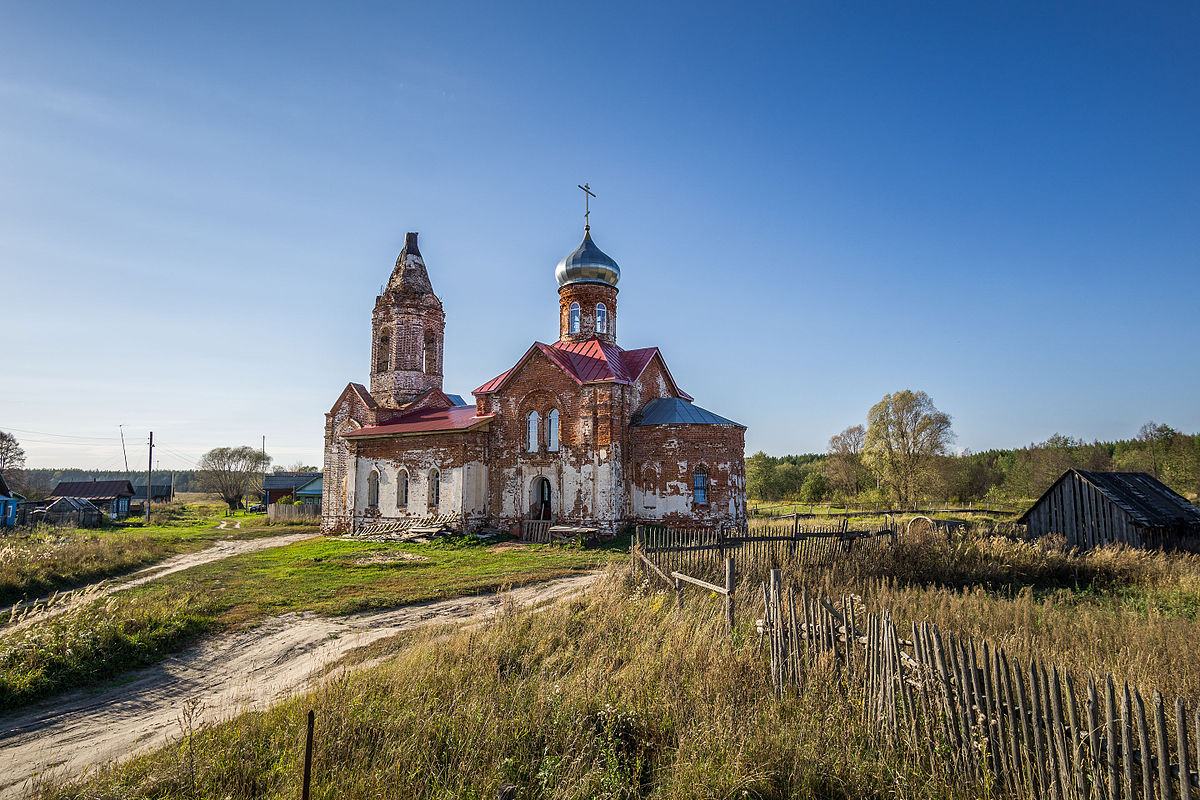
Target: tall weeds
(619, 695)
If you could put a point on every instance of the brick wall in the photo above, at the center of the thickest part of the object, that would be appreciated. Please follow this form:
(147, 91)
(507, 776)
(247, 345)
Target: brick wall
(587, 295)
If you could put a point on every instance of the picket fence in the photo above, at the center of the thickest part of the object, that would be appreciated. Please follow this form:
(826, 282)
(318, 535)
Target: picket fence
(969, 713)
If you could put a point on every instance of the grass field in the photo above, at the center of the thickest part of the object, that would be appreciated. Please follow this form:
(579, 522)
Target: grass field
(625, 695)
(326, 576)
(46, 560)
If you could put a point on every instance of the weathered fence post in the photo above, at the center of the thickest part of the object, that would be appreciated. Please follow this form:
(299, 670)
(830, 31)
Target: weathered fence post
(312, 719)
(633, 551)
(729, 576)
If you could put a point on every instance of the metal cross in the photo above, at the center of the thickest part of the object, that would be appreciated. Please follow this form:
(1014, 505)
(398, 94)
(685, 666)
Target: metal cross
(588, 195)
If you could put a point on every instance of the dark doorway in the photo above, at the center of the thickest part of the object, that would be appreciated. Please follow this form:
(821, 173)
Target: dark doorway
(541, 506)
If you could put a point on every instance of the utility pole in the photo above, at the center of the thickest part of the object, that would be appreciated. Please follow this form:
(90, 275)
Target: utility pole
(149, 471)
(121, 429)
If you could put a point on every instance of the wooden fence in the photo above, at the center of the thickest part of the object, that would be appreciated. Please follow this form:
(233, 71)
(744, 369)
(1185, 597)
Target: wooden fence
(778, 510)
(279, 512)
(967, 712)
(700, 551)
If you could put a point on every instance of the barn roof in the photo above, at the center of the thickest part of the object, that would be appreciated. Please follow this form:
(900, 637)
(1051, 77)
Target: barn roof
(68, 504)
(1149, 502)
(93, 490)
(673, 411)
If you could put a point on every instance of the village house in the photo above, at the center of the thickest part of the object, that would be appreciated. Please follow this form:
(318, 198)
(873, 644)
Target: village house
(111, 497)
(579, 431)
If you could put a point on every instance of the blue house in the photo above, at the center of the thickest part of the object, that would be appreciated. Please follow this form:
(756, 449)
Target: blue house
(8, 505)
(310, 493)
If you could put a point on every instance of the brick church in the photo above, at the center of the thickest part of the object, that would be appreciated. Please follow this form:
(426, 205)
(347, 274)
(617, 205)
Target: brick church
(580, 431)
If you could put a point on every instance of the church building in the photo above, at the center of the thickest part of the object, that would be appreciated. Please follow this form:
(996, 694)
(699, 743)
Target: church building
(579, 432)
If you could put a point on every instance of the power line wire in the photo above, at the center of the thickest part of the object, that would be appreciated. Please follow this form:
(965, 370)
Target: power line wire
(67, 435)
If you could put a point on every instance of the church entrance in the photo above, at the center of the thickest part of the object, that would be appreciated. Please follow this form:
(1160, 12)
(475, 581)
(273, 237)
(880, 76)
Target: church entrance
(540, 506)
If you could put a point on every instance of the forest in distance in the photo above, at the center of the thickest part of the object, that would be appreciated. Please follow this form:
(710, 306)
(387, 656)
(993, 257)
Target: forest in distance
(847, 473)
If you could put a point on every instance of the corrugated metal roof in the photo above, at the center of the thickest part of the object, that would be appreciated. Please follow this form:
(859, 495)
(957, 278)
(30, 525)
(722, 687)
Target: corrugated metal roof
(590, 361)
(93, 490)
(288, 480)
(427, 420)
(72, 504)
(673, 411)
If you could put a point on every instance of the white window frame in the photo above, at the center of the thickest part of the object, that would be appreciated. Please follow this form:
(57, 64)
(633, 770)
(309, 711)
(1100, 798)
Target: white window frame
(601, 318)
(552, 432)
(573, 318)
(532, 423)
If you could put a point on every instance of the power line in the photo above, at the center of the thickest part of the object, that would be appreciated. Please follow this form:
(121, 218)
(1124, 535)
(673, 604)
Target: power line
(67, 435)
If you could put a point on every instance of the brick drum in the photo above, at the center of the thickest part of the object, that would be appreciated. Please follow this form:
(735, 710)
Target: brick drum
(579, 431)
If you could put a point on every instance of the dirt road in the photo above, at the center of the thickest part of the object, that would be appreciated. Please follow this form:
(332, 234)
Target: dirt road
(44, 608)
(61, 738)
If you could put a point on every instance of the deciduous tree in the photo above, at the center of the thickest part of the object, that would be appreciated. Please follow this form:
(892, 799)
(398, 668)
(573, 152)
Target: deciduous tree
(12, 456)
(232, 472)
(905, 434)
(844, 467)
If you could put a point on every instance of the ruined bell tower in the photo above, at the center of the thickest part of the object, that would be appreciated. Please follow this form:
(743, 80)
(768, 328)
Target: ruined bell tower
(407, 332)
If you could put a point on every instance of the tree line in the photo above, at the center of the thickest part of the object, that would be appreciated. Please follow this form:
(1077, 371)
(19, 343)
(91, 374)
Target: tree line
(234, 473)
(902, 455)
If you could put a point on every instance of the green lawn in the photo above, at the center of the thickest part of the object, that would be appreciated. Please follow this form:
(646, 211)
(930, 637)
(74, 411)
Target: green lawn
(33, 564)
(331, 576)
(328, 576)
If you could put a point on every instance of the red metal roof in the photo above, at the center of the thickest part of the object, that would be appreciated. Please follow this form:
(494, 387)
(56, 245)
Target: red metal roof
(426, 420)
(590, 361)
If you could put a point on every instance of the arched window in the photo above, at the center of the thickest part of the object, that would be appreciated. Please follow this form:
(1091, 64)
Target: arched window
(700, 486)
(552, 431)
(383, 352)
(430, 353)
(531, 432)
(573, 319)
(601, 318)
(373, 488)
(435, 488)
(402, 488)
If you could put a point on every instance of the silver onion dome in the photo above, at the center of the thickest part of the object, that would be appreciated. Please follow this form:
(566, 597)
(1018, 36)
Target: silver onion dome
(588, 264)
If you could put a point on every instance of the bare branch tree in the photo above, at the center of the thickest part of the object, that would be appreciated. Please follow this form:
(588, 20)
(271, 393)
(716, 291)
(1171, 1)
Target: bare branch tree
(232, 472)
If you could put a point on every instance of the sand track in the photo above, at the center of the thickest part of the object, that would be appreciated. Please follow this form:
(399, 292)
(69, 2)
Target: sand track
(44, 608)
(60, 738)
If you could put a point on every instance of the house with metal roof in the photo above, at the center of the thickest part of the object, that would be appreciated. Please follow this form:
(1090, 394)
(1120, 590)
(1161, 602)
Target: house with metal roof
(111, 497)
(1092, 509)
(310, 493)
(578, 432)
(279, 485)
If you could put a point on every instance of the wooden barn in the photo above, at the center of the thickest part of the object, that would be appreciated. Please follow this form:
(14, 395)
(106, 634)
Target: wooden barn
(1092, 509)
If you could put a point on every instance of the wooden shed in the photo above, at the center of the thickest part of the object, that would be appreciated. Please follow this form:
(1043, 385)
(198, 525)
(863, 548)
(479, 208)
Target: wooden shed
(1092, 509)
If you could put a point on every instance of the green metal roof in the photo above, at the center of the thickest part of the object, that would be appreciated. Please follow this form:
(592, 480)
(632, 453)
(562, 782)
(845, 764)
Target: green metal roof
(674, 411)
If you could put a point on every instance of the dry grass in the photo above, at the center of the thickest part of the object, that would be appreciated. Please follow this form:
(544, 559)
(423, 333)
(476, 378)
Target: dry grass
(623, 694)
(618, 695)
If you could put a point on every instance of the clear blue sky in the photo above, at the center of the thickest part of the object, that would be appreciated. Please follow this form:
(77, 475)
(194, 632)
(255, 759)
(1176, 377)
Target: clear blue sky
(812, 206)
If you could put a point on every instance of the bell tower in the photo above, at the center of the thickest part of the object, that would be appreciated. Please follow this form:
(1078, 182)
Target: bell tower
(407, 331)
(587, 294)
